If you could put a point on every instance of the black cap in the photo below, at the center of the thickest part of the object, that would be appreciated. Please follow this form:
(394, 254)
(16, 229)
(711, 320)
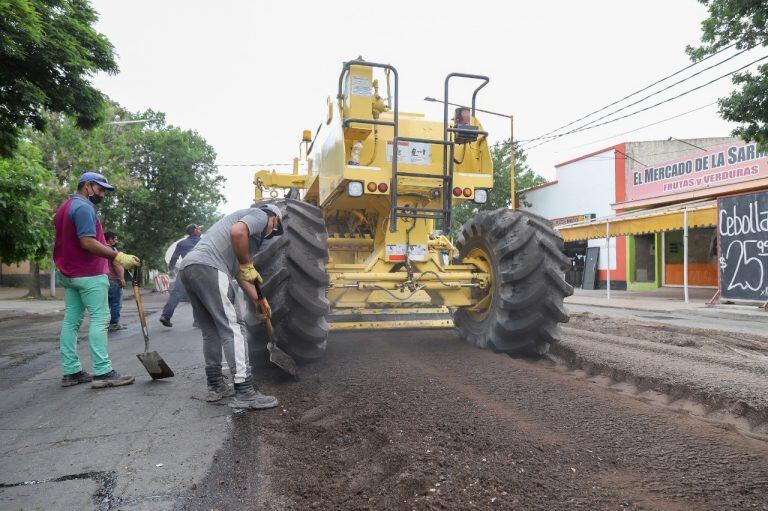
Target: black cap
(191, 229)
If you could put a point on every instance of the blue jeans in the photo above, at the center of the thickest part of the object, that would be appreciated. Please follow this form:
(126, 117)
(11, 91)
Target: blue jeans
(115, 301)
(178, 294)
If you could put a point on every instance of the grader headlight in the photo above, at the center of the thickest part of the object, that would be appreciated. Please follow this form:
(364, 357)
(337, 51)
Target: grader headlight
(481, 195)
(355, 188)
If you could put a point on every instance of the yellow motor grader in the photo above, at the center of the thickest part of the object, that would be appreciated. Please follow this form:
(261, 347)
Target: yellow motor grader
(367, 241)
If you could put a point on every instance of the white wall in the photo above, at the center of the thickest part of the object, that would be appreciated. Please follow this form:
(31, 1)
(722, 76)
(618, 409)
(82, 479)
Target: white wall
(601, 259)
(584, 186)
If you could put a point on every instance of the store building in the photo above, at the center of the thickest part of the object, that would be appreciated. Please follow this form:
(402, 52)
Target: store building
(631, 203)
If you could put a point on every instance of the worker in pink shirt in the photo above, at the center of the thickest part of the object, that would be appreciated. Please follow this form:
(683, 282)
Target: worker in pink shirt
(82, 257)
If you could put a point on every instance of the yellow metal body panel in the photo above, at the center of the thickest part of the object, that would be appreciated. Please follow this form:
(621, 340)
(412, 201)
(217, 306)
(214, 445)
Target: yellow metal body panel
(357, 101)
(639, 223)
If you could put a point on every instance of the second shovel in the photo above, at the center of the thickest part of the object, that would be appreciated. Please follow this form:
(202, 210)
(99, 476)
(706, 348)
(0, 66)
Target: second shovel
(277, 356)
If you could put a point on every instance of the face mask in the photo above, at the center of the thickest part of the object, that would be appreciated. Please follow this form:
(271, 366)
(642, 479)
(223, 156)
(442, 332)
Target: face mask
(95, 199)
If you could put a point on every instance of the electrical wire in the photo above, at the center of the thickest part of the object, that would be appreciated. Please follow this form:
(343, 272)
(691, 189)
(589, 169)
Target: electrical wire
(638, 91)
(652, 94)
(580, 129)
(646, 126)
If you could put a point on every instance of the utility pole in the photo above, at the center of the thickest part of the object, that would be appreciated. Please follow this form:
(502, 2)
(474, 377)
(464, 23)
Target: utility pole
(512, 195)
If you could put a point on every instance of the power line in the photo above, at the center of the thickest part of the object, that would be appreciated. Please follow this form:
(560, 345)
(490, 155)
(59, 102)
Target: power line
(647, 125)
(254, 164)
(550, 139)
(653, 94)
(638, 91)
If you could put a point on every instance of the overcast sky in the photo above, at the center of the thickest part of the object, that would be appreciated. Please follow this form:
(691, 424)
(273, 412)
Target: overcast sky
(250, 76)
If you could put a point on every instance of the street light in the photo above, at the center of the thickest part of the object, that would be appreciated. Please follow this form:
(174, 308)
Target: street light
(132, 121)
(511, 144)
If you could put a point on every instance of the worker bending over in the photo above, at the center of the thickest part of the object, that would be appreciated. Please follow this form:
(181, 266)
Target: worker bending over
(227, 251)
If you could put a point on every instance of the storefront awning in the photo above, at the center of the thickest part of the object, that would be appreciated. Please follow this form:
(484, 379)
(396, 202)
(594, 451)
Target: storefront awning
(667, 218)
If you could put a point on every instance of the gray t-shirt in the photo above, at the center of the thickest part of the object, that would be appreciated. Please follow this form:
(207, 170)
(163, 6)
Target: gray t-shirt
(215, 248)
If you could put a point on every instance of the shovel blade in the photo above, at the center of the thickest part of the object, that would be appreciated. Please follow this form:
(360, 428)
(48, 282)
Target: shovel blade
(281, 359)
(155, 365)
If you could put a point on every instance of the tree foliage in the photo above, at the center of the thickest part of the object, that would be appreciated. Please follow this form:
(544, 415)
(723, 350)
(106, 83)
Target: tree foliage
(165, 177)
(48, 52)
(525, 177)
(25, 211)
(745, 24)
(172, 181)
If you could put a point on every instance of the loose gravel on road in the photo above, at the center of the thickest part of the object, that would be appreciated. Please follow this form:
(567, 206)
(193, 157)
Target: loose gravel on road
(419, 420)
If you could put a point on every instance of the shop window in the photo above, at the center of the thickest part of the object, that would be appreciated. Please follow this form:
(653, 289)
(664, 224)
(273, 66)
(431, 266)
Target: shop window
(702, 257)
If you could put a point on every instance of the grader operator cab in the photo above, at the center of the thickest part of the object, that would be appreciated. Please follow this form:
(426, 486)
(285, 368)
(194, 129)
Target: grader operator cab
(367, 241)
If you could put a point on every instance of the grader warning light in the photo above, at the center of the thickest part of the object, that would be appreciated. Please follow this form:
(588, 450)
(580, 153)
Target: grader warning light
(394, 259)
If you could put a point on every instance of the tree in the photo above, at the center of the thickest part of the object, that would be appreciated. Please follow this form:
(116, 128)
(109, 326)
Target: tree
(48, 52)
(743, 23)
(525, 177)
(172, 181)
(165, 177)
(26, 216)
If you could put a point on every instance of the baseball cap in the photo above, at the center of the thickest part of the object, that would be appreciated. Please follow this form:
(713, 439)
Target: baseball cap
(191, 228)
(279, 214)
(97, 178)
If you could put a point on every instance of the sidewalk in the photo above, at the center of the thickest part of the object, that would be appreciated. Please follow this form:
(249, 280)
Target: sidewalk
(13, 303)
(666, 300)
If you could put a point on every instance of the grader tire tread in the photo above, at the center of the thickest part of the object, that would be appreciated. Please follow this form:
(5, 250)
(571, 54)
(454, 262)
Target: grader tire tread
(295, 281)
(527, 263)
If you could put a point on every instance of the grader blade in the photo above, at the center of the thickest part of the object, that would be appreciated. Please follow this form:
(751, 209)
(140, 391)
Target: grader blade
(391, 319)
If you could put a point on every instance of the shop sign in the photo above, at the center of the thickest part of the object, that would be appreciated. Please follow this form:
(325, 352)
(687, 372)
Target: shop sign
(742, 230)
(572, 219)
(723, 166)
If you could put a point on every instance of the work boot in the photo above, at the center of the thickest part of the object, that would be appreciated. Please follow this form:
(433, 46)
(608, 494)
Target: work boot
(217, 387)
(246, 396)
(111, 379)
(73, 379)
(219, 392)
(166, 321)
(114, 327)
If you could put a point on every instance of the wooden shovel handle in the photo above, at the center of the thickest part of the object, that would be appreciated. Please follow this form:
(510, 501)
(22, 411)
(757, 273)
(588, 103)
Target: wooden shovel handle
(264, 311)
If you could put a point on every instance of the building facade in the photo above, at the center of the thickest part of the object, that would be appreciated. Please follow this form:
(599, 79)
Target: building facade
(638, 193)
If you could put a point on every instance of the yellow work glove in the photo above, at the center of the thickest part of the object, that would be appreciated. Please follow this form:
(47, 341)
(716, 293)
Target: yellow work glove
(127, 261)
(249, 273)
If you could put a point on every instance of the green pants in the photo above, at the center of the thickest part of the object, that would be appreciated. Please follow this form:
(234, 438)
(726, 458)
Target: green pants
(81, 294)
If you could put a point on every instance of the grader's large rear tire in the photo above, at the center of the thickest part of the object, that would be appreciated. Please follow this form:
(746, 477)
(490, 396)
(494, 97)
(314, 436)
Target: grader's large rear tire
(295, 282)
(523, 310)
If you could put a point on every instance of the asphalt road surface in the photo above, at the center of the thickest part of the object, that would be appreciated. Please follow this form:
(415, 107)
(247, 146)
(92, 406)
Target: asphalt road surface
(397, 420)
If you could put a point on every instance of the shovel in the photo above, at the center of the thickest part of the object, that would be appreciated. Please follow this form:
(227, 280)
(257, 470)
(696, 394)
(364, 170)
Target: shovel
(277, 356)
(151, 360)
